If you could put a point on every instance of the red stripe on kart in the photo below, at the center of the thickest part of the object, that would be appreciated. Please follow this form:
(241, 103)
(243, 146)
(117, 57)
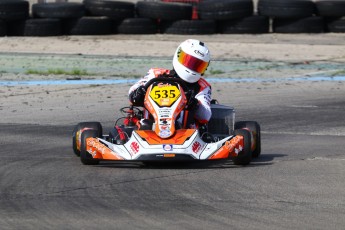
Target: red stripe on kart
(121, 133)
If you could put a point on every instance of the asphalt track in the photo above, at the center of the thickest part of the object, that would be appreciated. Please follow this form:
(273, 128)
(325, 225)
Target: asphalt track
(297, 183)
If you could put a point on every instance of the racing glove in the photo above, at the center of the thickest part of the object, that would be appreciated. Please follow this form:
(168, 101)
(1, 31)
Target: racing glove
(137, 96)
(192, 104)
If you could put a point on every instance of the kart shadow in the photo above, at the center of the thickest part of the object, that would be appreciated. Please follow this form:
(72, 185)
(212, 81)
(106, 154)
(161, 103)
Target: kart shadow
(263, 160)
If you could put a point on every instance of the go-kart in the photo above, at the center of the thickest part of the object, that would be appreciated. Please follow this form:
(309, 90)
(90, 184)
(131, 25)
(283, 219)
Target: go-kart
(161, 137)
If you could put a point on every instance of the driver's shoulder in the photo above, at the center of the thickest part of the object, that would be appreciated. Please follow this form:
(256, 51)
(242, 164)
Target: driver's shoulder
(203, 84)
(158, 71)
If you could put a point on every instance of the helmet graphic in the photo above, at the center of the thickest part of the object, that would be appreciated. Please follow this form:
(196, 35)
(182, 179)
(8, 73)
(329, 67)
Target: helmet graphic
(191, 60)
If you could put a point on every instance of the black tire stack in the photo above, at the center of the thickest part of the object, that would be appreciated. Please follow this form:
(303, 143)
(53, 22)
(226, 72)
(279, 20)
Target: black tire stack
(293, 16)
(101, 17)
(334, 13)
(233, 16)
(13, 14)
(303, 16)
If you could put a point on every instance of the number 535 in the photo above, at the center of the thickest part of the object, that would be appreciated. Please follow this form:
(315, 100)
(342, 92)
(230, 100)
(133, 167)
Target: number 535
(165, 94)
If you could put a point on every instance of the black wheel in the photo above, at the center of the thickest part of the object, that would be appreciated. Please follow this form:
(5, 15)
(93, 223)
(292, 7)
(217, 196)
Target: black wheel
(87, 26)
(116, 10)
(336, 25)
(286, 9)
(245, 156)
(189, 27)
(58, 10)
(14, 9)
(164, 10)
(137, 26)
(86, 157)
(254, 128)
(330, 8)
(79, 129)
(303, 25)
(225, 9)
(42, 27)
(248, 25)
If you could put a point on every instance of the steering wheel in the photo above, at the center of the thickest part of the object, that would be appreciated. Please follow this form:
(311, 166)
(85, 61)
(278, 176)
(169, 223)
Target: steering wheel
(130, 110)
(167, 79)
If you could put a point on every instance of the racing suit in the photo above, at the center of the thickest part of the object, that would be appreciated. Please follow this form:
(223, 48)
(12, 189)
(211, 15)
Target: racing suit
(200, 110)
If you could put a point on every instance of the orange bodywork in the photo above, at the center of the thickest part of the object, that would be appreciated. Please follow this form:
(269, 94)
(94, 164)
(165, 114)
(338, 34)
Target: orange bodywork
(153, 112)
(179, 138)
(229, 149)
(100, 151)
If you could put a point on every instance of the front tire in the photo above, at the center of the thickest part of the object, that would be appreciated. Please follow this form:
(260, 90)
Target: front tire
(78, 130)
(85, 157)
(254, 128)
(245, 156)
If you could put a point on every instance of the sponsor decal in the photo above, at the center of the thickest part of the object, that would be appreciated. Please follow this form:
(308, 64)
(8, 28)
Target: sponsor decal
(199, 53)
(97, 147)
(164, 127)
(196, 147)
(164, 133)
(168, 147)
(163, 85)
(234, 146)
(134, 147)
(239, 149)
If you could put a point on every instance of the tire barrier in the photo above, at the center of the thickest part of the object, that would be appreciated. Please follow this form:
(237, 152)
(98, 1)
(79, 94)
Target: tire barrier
(286, 9)
(225, 9)
(136, 26)
(189, 27)
(255, 24)
(303, 25)
(100, 17)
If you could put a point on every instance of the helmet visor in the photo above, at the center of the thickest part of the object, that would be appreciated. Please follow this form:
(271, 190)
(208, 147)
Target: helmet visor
(191, 62)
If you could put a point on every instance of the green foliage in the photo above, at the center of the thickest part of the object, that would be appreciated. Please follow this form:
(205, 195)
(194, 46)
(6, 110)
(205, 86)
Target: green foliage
(73, 72)
(215, 71)
(339, 73)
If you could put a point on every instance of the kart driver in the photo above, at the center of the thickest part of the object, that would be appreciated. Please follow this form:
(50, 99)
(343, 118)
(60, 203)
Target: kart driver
(190, 62)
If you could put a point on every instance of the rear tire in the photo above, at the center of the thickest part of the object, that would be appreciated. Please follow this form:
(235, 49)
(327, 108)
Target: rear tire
(86, 157)
(254, 128)
(245, 156)
(78, 130)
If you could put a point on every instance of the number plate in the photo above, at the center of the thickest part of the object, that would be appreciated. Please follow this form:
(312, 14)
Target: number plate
(165, 94)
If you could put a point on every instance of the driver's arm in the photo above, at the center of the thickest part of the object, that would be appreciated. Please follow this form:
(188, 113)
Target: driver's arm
(137, 92)
(203, 112)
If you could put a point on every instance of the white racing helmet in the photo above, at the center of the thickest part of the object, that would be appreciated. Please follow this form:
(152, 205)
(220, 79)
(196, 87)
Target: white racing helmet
(191, 60)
